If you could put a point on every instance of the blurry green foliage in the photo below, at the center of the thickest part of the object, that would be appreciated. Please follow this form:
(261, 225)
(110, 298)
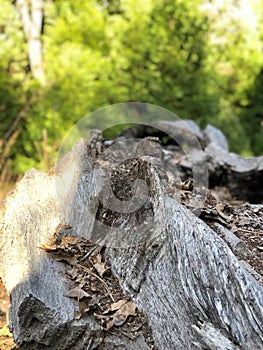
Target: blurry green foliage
(13, 66)
(252, 114)
(15, 87)
(95, 53)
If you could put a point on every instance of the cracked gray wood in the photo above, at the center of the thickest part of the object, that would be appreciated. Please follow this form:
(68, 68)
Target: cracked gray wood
(242, 176)
(193, 290)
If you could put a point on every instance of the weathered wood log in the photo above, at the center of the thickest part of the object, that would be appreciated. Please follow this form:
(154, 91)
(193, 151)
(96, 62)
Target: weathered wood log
(237, 245)
(41, 317)
(242, 176)
(191, 287)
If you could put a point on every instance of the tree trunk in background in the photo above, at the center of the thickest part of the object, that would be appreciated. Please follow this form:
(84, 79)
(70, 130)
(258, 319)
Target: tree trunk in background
(31, 13)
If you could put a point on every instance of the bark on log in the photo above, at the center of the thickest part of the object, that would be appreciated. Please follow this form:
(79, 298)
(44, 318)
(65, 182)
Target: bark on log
(242, 176)
(193, 290)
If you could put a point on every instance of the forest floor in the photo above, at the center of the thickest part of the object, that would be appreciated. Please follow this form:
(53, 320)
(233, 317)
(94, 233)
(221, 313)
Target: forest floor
(6, 340)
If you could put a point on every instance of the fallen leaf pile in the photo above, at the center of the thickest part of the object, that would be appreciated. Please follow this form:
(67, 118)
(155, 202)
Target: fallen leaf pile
(244, 220)
(94, 287)
(117, 313)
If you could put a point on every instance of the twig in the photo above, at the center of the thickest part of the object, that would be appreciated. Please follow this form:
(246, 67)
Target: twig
(249, 231)
(96, 276)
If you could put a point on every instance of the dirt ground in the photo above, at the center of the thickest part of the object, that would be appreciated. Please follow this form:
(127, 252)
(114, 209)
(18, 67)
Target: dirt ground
(6, 340)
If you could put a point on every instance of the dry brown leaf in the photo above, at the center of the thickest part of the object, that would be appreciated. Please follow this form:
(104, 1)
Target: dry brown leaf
(116, 320)
(61, 227)
(83, 307)
(117, 305)
(73, 273)
(124, 309)
(48, 247)
(127, 309)
(119, 320)
(94, 287)
(59, 242)
(70, 259)
(81, 280)
(101, 268)
(77, 293)
(96, 258)
(87, 269)
(101, 317)
(110, 324)
(68, 240)
(77, 315)
(95, 300)
(99, 265)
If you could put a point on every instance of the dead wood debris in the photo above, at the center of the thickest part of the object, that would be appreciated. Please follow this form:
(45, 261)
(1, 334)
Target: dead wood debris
(94, 287)
(242, 221)
(92, 283)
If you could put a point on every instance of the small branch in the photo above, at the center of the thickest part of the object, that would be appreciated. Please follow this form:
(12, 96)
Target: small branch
(96, 276)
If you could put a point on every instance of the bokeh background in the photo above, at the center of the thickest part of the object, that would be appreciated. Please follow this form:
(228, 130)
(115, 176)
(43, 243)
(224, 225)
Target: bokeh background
(63, 59)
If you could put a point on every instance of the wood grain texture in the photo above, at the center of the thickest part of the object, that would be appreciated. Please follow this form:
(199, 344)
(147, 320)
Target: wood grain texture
(193, 290)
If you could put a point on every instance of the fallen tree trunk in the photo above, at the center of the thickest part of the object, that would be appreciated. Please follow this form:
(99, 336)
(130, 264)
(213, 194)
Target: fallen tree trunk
(242, 176)
(191, 288)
